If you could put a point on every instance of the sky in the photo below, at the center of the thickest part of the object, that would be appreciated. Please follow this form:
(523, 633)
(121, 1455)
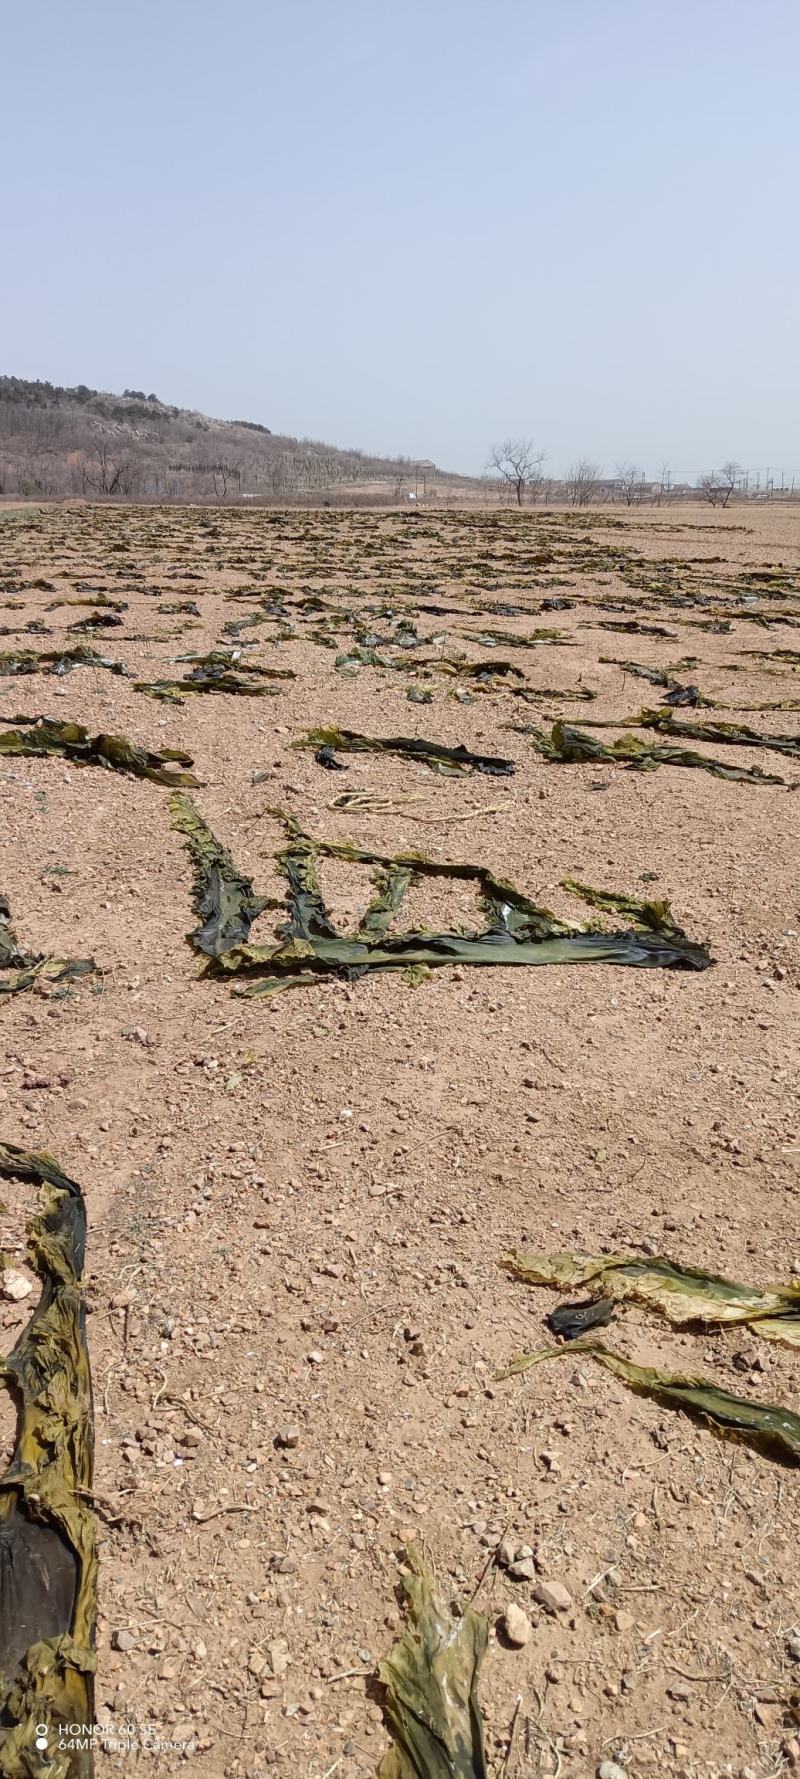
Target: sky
(417, 228)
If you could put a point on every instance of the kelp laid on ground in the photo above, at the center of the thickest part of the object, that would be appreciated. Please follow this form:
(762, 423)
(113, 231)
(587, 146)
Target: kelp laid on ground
(44, 736)
(518, 932)
(431, 1681)
(448, 760)
(48, 1561)
(225, 900)
(215, 677)
(60, 661)
(764, 1425)
(20, 969)
(491, 639)
(573, 746)
(684, 1294)
(730, 734)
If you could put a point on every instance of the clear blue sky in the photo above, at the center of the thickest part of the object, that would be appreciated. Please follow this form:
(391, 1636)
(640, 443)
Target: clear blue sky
(417, 227)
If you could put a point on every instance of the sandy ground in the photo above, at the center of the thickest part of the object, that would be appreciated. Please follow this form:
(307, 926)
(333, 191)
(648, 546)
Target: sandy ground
(299, 1207)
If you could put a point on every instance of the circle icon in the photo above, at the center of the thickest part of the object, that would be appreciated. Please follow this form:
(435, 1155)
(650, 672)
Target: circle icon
(41, 1737)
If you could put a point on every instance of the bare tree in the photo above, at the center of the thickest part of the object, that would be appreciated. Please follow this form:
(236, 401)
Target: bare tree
(720, 485)
(628, 479)
(582, 482)
(519, 465)
(729, 475)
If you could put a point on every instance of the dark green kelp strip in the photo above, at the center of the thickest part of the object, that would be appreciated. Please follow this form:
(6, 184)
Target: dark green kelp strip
(431, 1681)
(45, 736)
(684, 1294)
(225, 900)
(20, 969)
(730, 734)
(429, 753)
(764, 1425)
(48, 1560)
(518, 931)
(60, 661)
(572, 746)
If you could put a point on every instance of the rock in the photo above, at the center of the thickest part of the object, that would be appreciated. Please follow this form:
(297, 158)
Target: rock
(624, 1621)
(611, 1769)
(682, 1692)
(516, 1626)
(288, 1436)
(525, 1570)
(553, 1596)
(278, 1652)
(15, 1285)
(793, 1644)
(123, 1640)
(506, 1552)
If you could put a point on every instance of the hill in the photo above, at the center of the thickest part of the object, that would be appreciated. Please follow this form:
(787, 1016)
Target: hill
(61, 442)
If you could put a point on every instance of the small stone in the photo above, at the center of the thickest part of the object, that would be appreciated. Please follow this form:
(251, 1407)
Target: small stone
(682, 1692)
(516, 1626)
(624, 1621)
(793, 1644)
(506, 1552)
(553, 1596)
(15, 1285)
(769, 1716)
(792, 1751)
(278, 1652)
(611, 1769)
(123, 1640)
(315, 1358)
(288, 1436)
(525, 1570)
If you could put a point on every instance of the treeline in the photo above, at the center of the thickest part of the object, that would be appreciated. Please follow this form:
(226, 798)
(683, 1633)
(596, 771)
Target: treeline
(61, 442)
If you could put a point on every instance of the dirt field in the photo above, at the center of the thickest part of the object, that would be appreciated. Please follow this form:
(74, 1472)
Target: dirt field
(299, 1205)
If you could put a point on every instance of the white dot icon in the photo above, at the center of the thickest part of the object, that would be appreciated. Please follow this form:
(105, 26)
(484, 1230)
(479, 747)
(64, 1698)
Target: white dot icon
(41, 1737)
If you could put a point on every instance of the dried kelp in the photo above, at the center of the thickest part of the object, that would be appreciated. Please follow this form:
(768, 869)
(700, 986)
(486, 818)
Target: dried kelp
(225, 900)
(431, 1680)
(20, 969)
(59, 661)
(178, 608)
(48, 1561)
(518, 932)
(764, 1425)
(730, 734)
(677, 694)
(490, 639)
(634, 626)
(44, 736)
(98, 621)
(571, 745)
(215, 678)
(450, 760)
(684, 1294)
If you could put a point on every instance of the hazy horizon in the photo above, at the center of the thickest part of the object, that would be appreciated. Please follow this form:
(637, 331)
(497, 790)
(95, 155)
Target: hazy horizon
(417, 232)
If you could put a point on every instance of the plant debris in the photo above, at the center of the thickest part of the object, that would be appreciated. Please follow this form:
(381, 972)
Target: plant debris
(684, 1294)
(764, 1425)
(60, 661)
(48, 1561)
(518, 931)
(45, 736)
(570, 745)
(20, 969)
(431, 1681)
(225, 900)
(450, 760)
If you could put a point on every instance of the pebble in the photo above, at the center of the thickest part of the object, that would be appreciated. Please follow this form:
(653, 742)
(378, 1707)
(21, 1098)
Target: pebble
(288, 1436)
(611, 1769)
(793, 1644)
(123, 1640)
(553, 1596)
(516, 1625)
(523, 1571)
(15, 1285)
